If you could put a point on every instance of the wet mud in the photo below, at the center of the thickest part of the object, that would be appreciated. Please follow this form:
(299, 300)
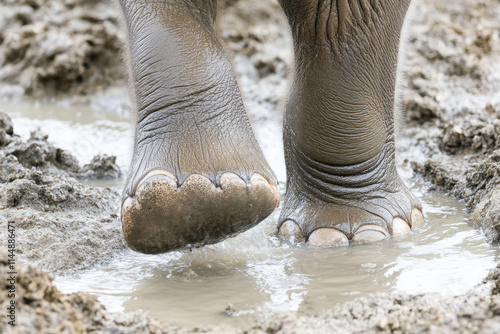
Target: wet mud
(44, 309)
(451, 104)
(449, 130)
(61, 222)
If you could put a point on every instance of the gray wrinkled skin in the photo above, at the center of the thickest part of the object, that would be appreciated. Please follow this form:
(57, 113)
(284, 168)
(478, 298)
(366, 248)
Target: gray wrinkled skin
(190, 121)
(190, 115)
(339, 117)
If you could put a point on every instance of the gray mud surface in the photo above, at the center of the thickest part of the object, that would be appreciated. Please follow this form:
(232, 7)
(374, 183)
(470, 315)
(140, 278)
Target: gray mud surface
(44, 309)
(58, 47)
(53, 212)
(449, 135)
(451, 103)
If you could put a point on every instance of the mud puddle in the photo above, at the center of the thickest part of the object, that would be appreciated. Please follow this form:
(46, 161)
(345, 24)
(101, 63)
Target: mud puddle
(256, 274)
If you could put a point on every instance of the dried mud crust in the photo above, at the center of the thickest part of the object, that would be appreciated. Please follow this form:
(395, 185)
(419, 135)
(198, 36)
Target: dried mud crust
(54, 47)
(42, 308)
(452, 104)
(61, 224)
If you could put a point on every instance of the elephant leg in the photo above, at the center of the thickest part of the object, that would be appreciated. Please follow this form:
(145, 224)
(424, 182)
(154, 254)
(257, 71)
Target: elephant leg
(343, 186)
(198, 174)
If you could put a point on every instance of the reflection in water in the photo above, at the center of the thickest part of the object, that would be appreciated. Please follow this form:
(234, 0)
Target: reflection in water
(256, 273)
(446, 260)
(284, 287)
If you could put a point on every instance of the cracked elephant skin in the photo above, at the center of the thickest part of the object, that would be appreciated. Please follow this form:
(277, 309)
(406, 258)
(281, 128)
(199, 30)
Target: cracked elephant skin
(198, 174)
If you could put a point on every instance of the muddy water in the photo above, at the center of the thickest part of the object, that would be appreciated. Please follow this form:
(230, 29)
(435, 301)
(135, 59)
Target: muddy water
(257, 274)
(82, 130)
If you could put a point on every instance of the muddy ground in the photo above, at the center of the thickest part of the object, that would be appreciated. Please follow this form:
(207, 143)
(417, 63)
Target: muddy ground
(449, 133)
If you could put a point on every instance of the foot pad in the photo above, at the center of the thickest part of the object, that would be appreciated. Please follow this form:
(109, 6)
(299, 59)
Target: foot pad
(162, 216)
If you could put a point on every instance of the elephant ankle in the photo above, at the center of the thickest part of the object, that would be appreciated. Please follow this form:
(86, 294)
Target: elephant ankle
(343, 183)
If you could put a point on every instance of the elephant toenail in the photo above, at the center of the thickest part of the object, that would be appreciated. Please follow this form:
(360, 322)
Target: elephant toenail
(258, 180)
(369, 233)
(152, 183)
(229, 179)
(400, 227)
(196, 183)
(327, 237)
(291, 231)
(417, 218)
(128, 203)
(157, 174)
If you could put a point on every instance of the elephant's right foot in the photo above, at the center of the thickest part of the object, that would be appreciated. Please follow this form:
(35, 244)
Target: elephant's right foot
(329, 204)
(342, 183)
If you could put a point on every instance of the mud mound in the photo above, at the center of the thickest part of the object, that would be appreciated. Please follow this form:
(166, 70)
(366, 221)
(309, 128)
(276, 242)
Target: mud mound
(41, 308)
(62, 225)
(36, 174)
(452, 104)
(475, 312)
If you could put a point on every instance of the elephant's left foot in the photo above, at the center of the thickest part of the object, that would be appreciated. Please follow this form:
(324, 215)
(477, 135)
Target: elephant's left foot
(323, 224)
(347, 205)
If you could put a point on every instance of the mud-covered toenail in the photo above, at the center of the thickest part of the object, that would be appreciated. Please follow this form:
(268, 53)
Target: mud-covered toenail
(196, 183)
(259, 181)
(229, 179)
(154, 189)
(156, 172)
(417, 218)
(400, 227)
(291, 231)
(128, 203)
(327, 237)
(369, 233)
(154, 180)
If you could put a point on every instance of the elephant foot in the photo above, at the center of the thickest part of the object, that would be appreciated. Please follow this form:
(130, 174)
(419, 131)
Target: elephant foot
(323, 224)
(197, 174)
(163, 215)
(342, 182)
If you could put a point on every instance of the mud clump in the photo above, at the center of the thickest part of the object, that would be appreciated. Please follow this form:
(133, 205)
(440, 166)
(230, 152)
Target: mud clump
(101, 167)
(470, 135)
(62, 224)
(38, 152)
(58, 47)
